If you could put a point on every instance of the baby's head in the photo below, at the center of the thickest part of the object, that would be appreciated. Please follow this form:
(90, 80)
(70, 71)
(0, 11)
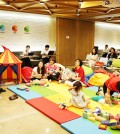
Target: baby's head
(77, 86)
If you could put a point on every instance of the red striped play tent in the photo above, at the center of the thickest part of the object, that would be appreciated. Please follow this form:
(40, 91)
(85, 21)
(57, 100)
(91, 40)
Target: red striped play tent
(10, 66)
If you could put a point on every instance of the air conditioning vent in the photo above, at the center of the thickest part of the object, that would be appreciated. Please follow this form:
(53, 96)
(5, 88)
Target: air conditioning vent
(111, 3)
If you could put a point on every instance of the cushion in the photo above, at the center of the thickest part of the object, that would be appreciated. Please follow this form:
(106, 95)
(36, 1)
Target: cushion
(98, 79)
(116, 63)
(26, 73)
(98, 63)
(87, 70)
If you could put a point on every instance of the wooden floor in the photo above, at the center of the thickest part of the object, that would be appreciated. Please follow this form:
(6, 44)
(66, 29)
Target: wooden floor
(17, 117)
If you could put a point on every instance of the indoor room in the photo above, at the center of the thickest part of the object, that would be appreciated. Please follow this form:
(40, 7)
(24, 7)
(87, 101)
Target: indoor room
(59, 66)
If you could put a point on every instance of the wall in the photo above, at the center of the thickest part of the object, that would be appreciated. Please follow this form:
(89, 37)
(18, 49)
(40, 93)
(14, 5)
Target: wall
(42, 31)
(74, 40)
(85, 38)
(106, 33)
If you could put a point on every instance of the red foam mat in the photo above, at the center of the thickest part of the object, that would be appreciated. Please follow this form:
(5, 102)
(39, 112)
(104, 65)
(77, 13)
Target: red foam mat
(52, 110)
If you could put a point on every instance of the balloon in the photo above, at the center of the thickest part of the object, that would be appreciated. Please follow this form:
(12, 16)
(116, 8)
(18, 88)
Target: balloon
(26, 29)
(15, 28)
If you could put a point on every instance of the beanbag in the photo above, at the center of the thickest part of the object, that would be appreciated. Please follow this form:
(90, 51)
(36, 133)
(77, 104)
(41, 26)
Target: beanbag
(87, 70)
(99, 64)
(98, 79)
(26, 73)
(101, 71)
(116, 63)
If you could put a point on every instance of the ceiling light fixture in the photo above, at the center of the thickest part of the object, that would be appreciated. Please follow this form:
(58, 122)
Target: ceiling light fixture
(41, 2)
(109, 19)
(78, 14)
(8, 3)
(111, 9)
(80, 2)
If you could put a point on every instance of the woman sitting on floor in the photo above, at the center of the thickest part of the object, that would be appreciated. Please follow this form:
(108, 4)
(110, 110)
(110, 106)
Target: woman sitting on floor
(53, 72)
(78, 73)
(39, 71)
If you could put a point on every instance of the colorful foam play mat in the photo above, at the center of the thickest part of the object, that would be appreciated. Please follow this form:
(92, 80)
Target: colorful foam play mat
(99, 118)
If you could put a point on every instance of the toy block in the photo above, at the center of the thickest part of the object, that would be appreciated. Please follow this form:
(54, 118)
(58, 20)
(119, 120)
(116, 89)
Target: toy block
(102, 126)
(113, 122)
(91, 118)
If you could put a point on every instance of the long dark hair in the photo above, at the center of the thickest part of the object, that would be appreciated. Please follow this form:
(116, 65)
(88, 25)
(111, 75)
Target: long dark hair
(95, 51)
(42, 69)
(80, 62)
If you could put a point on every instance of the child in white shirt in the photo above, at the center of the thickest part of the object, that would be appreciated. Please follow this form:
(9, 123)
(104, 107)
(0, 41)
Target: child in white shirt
(78, 99)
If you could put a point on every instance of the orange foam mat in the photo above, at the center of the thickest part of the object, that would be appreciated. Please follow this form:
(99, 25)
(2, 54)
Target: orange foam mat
(52, 110)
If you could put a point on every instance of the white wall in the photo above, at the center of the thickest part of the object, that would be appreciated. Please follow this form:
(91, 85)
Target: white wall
(39, 34)
(106, 33)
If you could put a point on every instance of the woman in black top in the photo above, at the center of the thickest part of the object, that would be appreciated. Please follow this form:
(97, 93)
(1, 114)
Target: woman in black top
(111, 56)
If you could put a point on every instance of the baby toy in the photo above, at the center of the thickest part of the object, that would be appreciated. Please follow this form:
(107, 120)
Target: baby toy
(97, 111)
(113, 122)
(62, 105)
(102, 126)
(21, 87)
(29, 84)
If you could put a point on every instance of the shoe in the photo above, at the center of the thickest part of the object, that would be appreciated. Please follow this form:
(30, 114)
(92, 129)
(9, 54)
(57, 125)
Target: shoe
(2, 90)
(13, 97)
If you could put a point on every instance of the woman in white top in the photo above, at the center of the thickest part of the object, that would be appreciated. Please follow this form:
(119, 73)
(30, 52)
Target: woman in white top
(78, 99)
(39, 71)
(93, 58)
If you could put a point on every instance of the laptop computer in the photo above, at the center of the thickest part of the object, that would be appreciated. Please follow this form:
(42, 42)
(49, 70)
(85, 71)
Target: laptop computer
(50, 52)
(30, 53)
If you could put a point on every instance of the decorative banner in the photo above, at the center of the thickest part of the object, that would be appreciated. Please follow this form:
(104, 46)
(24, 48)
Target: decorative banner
(14, 28)
(2, 28)
(26, 29)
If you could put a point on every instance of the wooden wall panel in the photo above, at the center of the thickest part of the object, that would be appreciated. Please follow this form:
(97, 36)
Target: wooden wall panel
(74, 39)
(66, 41)
(84, 39)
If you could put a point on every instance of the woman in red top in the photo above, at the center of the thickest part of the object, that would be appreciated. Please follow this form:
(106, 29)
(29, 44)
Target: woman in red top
(110, 86)
(79, 71)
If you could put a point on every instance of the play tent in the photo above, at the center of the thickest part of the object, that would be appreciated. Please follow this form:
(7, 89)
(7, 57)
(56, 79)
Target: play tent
(10, 66)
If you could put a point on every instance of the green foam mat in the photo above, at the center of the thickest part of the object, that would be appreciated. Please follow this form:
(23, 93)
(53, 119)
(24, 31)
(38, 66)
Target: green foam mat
(88, 92)
(42, 90)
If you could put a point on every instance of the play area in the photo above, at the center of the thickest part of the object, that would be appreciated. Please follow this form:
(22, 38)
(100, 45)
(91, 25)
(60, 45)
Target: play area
(51, 99)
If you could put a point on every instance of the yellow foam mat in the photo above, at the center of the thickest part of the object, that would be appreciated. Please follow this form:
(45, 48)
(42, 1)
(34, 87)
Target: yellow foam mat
(58, 98)
(64, 96)
(60, 88)
(57, 86)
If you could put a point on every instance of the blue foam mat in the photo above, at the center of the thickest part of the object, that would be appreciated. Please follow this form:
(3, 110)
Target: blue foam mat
(83, 126)
(24, 94)
(94, 88)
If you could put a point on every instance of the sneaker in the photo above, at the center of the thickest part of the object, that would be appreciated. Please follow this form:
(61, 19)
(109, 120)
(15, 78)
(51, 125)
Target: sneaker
(13, 97)
(2, 90)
